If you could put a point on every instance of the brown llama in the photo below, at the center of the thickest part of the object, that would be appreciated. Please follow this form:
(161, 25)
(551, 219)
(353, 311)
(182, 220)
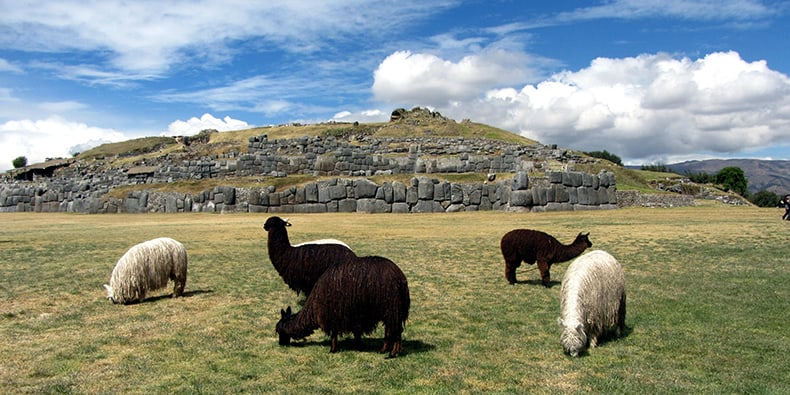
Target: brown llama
(532, 245)
(353, 297)
(300, 266)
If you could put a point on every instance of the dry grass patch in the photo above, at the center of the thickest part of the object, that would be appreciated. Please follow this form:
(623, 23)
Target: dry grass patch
(706, 301)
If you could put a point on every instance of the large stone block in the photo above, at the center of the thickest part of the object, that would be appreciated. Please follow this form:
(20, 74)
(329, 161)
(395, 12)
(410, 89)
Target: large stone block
(520, 181)
(347, 206)
(373, 206)
(521, 198)
(398, 191)
(425, 188)
(364, 188)
(427, 206)
(456, 194)
(311, 192)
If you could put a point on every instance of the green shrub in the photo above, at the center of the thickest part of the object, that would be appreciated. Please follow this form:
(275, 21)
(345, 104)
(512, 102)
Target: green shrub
(19, 161)
(765, 199)
(606, 155)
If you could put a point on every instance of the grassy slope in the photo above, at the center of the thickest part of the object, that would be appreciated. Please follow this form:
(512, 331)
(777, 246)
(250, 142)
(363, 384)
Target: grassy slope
(707, 302)
(142, 148)
(139, 149)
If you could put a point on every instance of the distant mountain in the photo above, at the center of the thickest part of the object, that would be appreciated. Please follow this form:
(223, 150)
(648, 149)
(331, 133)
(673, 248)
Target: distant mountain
(770, 175)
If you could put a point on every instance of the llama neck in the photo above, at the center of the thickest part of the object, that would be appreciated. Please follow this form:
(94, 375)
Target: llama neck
(570, 251)
(300, 325)
(278, 243)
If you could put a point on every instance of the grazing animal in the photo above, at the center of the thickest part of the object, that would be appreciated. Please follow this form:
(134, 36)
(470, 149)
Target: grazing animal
(592, 305)
(532, 245)
(146, 267)
(353, 297)
(301, 266)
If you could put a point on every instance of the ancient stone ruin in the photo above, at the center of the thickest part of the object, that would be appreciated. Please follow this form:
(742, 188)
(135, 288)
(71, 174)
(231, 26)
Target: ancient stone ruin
(541, 178)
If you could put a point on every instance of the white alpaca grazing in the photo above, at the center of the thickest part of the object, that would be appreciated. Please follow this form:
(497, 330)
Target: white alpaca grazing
(146, 267)
(592, 302)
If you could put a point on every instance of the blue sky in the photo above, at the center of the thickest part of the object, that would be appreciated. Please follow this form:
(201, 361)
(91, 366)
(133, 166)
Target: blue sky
(648, 80)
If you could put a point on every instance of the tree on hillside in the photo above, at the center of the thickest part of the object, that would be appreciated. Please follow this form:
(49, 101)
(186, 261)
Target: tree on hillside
(657, 167)
(765, 199)
(733, 179)
(699, 177)
(20, 161)
(606, 155)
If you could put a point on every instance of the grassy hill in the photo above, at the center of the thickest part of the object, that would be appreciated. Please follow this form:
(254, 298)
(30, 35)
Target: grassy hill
(415, 123)
(406, 123)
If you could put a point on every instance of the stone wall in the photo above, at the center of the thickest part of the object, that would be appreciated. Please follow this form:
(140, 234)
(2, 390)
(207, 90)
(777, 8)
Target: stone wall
(81, 186)
(556, 191)
(369, 156)
(637, 199)
(330, 156)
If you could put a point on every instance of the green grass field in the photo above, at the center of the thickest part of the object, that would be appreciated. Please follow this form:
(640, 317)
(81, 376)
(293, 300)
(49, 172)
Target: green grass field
(707, 306)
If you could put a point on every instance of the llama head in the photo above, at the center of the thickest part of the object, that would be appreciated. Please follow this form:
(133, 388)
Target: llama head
(285, 317)
(573, 338)
(583, 238)
(110, 293)
(275, 222)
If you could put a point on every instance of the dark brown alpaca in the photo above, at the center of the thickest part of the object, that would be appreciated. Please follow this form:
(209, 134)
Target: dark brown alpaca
(301, 266)
(353, 297)
(533, 245)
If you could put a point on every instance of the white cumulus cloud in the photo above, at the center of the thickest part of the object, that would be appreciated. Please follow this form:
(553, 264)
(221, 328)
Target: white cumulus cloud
(647, 107)
(366, 116)
(408, 77)
(53, 137)
(206, 121)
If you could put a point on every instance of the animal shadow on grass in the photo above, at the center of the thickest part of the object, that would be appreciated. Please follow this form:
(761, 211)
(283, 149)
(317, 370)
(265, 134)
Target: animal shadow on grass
(526, 272)
(552, 283)
(186, 294)
(349, 344)
(602, 341)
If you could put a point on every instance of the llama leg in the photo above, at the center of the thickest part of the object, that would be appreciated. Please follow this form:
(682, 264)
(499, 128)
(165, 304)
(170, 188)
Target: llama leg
(545, 276)
(396, 347)
(387, 339)
(392, 342)
(178, 288)
(178, 284)
(386, 346)
(333, 348)
(510, 270)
